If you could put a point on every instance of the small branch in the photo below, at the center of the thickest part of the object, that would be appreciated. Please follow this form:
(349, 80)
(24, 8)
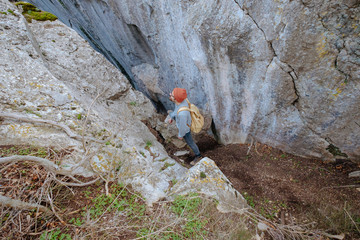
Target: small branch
(257, 150)
(354, 174)
(344, 186)
(53, 209)
(14, 203)
(352, 220)
(252, 141)
(77, 184)
(106, 185)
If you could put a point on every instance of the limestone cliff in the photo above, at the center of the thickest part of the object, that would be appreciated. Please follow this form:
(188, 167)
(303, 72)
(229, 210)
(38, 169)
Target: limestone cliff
(285, 73)
(57, 92)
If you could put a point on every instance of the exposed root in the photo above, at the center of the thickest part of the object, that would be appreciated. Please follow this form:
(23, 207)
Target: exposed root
(251, 144)
(14, 203)
(66, 129)
(23, 118)
(77, 184)
(42, 161)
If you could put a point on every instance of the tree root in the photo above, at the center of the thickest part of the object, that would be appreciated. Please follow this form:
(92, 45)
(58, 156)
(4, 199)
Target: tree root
(67, 130)
(42, 161)
(47, 164)
(77, 184)
(14, 203)
(41, 121)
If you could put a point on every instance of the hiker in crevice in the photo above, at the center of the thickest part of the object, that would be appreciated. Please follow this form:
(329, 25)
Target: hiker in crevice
(181, 115)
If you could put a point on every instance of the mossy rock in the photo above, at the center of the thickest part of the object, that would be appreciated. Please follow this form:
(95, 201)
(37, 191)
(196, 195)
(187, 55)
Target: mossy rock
(31, 12)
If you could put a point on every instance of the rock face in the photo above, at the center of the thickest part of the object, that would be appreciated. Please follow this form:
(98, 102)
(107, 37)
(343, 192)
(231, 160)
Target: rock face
(285, 73)
(49, 73)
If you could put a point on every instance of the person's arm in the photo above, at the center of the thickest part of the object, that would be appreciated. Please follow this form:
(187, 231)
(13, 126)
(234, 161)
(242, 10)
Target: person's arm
(172, 116)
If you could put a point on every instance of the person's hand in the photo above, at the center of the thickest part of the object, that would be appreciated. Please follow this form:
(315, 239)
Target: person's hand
(180, 138)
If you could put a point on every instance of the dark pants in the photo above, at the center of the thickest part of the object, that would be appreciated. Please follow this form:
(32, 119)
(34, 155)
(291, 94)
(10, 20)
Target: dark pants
(190, 141)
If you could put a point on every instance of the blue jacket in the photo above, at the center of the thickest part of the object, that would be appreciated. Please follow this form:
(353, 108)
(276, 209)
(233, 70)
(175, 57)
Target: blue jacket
(183, 119)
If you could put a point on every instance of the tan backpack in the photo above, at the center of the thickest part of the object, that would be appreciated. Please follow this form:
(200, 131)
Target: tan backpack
(197, 120)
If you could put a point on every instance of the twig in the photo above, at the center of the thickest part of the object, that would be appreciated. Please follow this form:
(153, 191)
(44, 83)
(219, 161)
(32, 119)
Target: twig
(83, 160)
(106, 185)
(75, 179)
(344, 186)
(252, 141)
(4, 168)
(53, 209)
(166, 226)
(354, 174)
(257, 150)
(86, 119)
(352, 220)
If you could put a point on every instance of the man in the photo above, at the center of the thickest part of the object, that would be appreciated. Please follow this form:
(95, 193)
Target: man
(183, 121)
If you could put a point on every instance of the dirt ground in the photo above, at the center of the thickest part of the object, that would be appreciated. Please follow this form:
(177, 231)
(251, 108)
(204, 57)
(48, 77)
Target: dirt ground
(288, 189)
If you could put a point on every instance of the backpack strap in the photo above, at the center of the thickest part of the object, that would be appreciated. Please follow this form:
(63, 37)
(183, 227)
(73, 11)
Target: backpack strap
(187, 100)
(183, 109)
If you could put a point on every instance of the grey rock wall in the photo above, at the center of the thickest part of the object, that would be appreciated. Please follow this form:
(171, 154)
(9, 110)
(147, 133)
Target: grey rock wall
(285, 73)
(49, 73)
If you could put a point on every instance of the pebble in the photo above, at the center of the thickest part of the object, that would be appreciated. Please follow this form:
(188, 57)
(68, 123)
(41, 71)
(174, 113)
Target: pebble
(262, 226)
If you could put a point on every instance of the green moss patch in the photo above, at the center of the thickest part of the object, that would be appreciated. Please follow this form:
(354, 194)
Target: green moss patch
(31, 12)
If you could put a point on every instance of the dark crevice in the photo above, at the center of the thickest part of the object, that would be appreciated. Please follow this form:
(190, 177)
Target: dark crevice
(338, 69)
(118, 95)
(246, 11)
(293, 76)
(213, 130)
(307, 5)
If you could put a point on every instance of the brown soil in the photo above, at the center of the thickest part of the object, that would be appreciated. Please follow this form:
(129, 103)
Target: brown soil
(288, 189)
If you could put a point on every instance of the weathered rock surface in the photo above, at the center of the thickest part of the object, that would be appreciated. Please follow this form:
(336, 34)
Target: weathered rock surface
(285, 73)
(48, 72)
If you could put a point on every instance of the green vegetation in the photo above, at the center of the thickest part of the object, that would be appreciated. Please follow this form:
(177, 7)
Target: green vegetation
(336, 219)
(32, 112)
(148, 144)
(31, 12)
(119, 200)
(132, 103)
(249, 199)
(166, 165)
(11, 12)
(335, 151)
(25, 150)
(55, 235)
